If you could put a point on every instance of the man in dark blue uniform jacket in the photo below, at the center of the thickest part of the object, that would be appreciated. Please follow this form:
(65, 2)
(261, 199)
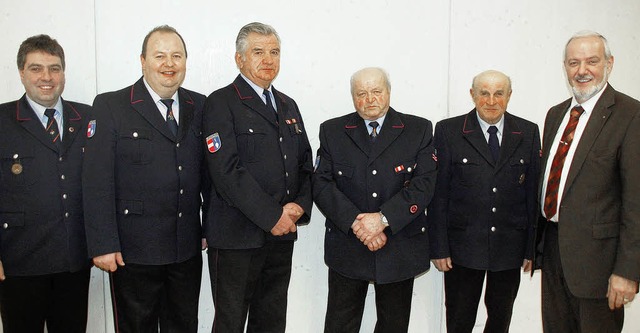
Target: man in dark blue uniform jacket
(484, 209)
(375, 175)
(259, 160)
(44, 267)
(142, 191)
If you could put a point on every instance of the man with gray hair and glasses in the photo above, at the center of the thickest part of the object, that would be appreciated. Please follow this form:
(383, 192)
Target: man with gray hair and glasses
(259, 160)
(589, 229)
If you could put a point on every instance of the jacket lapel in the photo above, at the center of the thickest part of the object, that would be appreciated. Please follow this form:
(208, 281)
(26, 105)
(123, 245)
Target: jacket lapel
(142, 102)
(354, 128)
(472, 132)
(72, 125)
(29, 120)
(249, 98)
(597, 120)
(511, 138)
(391, 129)
(186, 113)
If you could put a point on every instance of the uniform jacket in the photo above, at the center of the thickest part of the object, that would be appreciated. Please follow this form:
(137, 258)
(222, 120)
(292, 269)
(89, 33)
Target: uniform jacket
(599, 213)
(41, 222)
(396, 175)
(141, 184)
(484, 212)
(260, 166)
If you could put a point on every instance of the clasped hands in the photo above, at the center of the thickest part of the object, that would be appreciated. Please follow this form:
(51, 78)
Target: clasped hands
(369, 229)
(291, 212)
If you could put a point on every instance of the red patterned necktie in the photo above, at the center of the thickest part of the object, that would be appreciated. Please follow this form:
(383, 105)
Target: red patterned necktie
(553, 183)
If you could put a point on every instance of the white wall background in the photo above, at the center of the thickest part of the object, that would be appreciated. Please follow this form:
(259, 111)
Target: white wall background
(431, 49)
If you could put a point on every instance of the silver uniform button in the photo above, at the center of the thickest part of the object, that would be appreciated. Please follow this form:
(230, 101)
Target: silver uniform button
(409, 169)
(251, 130)
(493, 229)
(339, 173)
(464, 160)
(179, 167)
(62, 177)
(135, 134)
(493, 209)
(59, 159)
(280, 139)
(64, 196)
(495, 190)
(126, 212)
(375, 195)
(178, 145)
(286, 174)
(15, 157)
(180, 214)
(288, 192)
(5, 225)
(285, 156)
(181, 191)
(66, 214)
(521, 161)
(374, 172)
(423, 229)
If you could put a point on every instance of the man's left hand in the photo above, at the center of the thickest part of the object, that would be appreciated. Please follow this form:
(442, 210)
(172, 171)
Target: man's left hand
(621, 291)
(367, 226)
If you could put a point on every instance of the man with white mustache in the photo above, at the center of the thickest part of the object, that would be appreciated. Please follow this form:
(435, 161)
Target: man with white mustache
(589, 229)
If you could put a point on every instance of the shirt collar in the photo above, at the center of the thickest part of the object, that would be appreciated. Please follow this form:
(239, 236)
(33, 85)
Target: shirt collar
(156, 98)
(39, 109)
(256, 87)
(590, 103)
(485, 125)
(380, 122)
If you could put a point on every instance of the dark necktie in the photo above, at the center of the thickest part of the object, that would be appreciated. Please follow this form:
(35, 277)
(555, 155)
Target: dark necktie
(267, 96)
(494, 144)
(553, 183)
(52, 126)
(171, 120)
(374, 132)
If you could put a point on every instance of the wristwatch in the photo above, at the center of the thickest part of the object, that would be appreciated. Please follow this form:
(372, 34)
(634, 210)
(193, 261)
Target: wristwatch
(385, 222)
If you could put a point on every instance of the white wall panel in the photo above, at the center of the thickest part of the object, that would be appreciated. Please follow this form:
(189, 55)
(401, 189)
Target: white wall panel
(432, 49)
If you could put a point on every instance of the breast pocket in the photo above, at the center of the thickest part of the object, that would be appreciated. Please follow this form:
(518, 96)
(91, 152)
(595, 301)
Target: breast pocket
(18, 168)
(519, 166)
(249, 140)
(466, 171)
(134, 145)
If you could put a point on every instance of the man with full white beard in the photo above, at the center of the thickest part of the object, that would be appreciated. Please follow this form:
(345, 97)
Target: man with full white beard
(589, 229)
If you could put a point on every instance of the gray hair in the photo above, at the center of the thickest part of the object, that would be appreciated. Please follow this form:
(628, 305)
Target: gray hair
(385, 76)
(586, 34)
(255, 27)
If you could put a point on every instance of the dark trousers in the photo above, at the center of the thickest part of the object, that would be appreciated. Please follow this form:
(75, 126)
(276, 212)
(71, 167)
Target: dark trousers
(345, 305)
(59, 300)
(145, 296)
(562, 312)
(253, 281)
(463, 288)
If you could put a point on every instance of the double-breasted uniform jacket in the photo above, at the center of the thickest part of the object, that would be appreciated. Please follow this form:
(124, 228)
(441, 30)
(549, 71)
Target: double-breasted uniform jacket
(41, 219)
(599, 213)
(257, 162)
(395, 175)
(142, 185)
(483, 213)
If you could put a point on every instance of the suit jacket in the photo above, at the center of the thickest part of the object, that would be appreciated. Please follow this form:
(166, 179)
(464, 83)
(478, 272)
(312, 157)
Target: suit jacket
(599, 213)
(260, 166)
(484, 212)
(396, 175)
(42, 226)
(141, 184)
